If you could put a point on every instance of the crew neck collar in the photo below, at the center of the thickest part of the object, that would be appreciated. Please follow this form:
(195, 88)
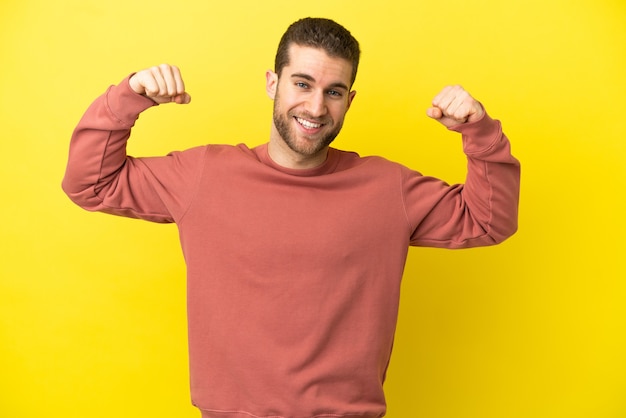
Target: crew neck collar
(328, 166)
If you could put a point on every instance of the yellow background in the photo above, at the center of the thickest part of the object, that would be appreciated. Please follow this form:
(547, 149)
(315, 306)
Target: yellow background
(92, 307)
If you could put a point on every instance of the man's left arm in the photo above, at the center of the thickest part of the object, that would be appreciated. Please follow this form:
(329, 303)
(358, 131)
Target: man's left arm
(484, 210)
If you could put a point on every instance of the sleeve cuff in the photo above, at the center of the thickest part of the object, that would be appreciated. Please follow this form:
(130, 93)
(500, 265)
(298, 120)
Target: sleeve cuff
(479, 136)
(125, 104)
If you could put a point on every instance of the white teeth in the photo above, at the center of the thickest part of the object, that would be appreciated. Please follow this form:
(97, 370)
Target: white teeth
(307, 124)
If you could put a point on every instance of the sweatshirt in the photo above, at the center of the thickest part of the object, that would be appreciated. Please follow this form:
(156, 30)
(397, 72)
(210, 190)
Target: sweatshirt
(293, 276)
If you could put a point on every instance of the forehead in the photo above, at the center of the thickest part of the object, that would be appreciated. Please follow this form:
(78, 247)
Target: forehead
(316, 63)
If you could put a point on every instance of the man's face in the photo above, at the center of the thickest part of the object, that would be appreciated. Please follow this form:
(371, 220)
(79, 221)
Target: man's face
(311, 98)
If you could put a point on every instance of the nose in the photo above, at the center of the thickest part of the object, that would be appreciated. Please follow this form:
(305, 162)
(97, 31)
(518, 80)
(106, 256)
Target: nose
(316, 104)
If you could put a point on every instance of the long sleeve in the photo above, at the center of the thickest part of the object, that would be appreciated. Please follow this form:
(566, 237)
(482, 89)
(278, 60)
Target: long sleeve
(483, 210)
(101, 177)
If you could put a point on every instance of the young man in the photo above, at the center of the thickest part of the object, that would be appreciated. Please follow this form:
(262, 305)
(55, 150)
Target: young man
(294, 250)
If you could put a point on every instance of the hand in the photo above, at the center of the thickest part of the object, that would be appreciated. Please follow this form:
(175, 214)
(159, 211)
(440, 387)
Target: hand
(162, 84)
(454, 106)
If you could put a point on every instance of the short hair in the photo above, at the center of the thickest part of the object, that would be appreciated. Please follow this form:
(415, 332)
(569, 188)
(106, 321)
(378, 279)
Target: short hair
(321, 33)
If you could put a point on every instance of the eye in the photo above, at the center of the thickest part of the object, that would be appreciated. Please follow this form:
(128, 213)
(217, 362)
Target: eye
(302, 85)
(334, 93)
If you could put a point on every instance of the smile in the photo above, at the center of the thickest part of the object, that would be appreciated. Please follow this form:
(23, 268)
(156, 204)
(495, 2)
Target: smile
(307, 124)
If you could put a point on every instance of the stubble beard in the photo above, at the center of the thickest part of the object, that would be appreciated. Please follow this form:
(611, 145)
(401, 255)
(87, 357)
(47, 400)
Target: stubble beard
(307, 147)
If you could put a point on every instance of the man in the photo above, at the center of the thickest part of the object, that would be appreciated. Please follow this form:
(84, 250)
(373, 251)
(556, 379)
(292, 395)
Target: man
(294, 250)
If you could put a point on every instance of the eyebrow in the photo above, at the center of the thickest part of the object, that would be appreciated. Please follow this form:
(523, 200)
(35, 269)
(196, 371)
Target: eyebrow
(310, 78)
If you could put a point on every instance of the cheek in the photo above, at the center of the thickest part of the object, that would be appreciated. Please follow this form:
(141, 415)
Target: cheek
(339, 111)
(285, 102)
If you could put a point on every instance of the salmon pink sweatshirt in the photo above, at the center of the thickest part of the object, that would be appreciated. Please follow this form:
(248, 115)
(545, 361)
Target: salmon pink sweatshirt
(293, 275)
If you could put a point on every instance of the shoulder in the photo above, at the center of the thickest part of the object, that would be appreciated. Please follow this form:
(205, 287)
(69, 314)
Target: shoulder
(211, 154)
(351, 159)
(220, 151)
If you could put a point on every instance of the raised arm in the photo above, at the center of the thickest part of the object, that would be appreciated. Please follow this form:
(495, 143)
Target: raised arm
(101, 177)
(483, 210)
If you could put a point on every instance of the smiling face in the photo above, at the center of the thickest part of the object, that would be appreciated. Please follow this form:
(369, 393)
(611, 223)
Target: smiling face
(311, 97)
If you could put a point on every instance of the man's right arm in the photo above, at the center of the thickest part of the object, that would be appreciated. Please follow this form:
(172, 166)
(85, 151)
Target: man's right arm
(101, 177)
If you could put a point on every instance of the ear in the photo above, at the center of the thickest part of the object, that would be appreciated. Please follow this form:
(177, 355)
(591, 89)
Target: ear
(271, 81)
(351, 98)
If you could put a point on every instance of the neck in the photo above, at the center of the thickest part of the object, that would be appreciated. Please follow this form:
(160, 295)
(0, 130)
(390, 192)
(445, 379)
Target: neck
(284, 156)
(294, 160)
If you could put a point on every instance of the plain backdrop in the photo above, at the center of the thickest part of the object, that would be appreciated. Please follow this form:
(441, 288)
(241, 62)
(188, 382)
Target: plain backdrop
(92, 307)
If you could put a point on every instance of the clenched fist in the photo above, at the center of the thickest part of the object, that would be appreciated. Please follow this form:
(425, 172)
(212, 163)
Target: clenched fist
(162, 84)
(454, 106)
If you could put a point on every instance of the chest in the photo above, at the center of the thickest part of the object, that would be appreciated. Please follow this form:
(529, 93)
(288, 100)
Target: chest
(263, 215)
